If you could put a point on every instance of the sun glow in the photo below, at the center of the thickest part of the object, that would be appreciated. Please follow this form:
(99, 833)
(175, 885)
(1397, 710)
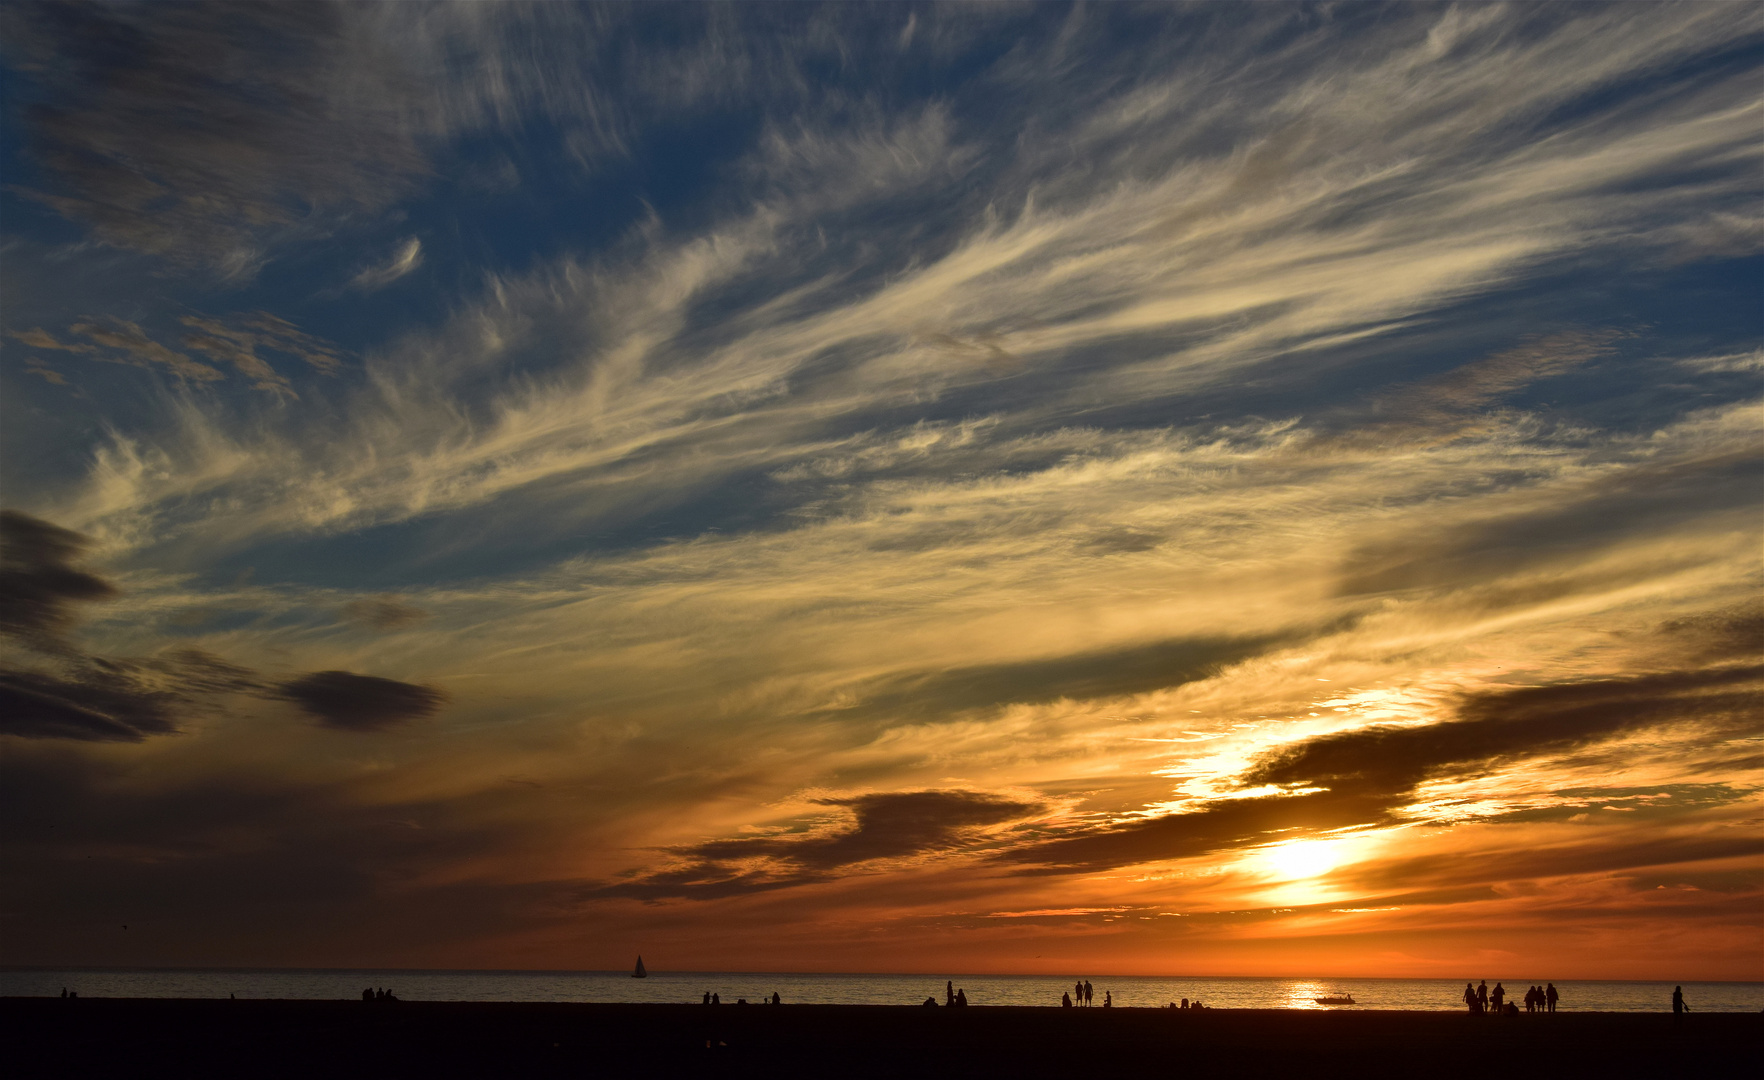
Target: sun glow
(1299, 859)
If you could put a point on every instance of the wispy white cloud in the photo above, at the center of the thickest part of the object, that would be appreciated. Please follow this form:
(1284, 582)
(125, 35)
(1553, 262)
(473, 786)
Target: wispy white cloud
(407, 256)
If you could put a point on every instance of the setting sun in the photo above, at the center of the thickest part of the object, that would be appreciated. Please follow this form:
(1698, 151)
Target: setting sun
(1304, 858)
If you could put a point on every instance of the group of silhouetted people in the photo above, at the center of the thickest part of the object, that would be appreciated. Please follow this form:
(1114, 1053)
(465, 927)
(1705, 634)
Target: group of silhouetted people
(1186, 1004)
(372, 994)
(717, 999)
(66, 993)
(1482, 1001)
(1083, 994)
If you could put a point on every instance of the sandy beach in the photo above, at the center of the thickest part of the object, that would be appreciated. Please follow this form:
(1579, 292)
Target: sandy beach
(200, 1038)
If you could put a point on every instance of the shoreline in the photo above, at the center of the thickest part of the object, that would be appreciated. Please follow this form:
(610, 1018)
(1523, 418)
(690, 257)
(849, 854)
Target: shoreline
(300, 1038)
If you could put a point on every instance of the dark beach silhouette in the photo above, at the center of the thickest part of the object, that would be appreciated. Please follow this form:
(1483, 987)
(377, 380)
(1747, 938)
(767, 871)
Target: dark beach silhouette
(113, 1037)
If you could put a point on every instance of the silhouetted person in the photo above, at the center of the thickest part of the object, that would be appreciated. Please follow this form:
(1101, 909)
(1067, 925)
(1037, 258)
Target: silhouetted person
(716, 999)
(1470, 997)
(367, 993)
(1078, 992)
(73, 993)
(949, 992)
(1679, 1005)
(776, 1000)
(1550, 996)
(1512, 1009)
(1108, 999)
(1482, 996)
(961, 997)
(1065, 1000)
(707, 997)
(1498, 995)
(1089, 992)
(1185, 1003)
(931, 1002)
(64, 993)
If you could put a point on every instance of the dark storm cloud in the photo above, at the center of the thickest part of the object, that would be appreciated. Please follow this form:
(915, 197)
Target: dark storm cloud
(382, 613)
(86, 697)
(39, 706)
(1732, 634)
(1219, 825)
(349, 702)
(1643, 499)
(885, 825)
(195, 131)
(1593, 854)
(1370, 772)
(1104, 673)
(39, 585)
(99, 699)
(1387, 761)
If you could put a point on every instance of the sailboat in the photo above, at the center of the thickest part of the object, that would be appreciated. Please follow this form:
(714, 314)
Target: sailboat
(640, 973)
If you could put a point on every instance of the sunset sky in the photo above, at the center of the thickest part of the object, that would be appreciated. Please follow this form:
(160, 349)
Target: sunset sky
(1213, 489)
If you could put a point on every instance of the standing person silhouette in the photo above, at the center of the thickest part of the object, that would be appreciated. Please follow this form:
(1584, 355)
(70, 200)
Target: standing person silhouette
(949, 992)
(1470, 997)
(1679, 1005)
(1078, 992)
(1482, 996)
(1550, 996)
(1497, 996)
(1089, 992)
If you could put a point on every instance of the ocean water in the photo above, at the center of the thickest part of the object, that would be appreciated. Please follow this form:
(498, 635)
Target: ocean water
(806, 988)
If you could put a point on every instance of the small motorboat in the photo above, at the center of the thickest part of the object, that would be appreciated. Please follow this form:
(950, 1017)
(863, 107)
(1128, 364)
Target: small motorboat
(640, 973)
(1335, 999)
